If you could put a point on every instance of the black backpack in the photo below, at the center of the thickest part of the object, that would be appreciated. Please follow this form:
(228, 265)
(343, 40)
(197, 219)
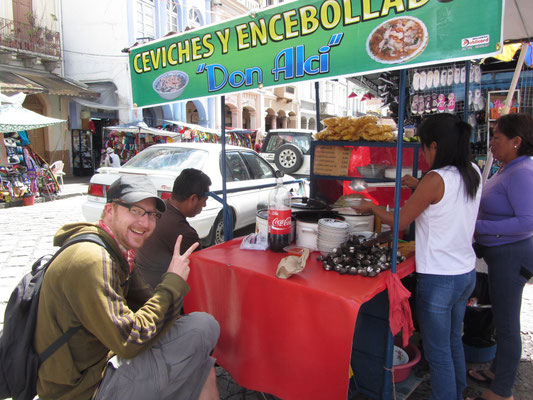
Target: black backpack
(19, 362)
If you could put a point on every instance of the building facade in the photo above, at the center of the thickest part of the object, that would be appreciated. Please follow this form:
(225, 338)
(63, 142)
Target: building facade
(31, 62)
(97, 36)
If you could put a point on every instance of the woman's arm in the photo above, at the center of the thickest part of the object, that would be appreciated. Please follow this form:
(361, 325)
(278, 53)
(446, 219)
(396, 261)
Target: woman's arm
(519, 192)
(429, 190)
(410, 181)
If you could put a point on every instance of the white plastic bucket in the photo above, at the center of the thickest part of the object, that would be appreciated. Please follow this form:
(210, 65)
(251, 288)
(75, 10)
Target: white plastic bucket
(261, 224)
(306, 233)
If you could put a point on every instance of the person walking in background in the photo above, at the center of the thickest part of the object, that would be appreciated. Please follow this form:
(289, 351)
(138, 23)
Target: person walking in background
(131, 343)
(444, 206)
(186, 201)
(111, 159)
(503, 238)
(258, 145)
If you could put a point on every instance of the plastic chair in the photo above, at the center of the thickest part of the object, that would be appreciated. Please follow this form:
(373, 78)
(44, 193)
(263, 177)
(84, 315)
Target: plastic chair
(57, 169)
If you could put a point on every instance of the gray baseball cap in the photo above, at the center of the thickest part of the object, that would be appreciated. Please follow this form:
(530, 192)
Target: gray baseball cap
(134, 188)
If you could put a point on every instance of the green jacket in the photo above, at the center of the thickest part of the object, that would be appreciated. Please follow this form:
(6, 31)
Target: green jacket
(118, 312)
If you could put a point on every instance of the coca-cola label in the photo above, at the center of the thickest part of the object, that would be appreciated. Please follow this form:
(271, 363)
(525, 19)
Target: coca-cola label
(279, 222)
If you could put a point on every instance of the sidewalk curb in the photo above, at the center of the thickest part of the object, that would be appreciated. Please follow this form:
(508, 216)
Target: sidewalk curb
(41, 199)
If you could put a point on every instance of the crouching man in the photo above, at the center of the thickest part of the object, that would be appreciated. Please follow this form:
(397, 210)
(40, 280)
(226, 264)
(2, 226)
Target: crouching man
(132, 343)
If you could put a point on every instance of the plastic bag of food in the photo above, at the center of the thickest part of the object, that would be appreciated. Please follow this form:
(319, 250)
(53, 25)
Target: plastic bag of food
(254, 241)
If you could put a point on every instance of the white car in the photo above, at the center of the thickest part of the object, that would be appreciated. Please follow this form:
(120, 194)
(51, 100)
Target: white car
(162, 163)
(289, 150)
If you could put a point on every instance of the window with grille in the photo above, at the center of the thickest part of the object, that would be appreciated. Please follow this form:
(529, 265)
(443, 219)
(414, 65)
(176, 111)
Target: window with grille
(195, 18)
(172, 16)
(145, 21)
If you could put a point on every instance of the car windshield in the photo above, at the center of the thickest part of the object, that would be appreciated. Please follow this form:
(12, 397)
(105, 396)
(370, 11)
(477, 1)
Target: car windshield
(173, 159)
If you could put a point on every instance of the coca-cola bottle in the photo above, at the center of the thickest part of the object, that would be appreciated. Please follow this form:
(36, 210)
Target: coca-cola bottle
(279, 216)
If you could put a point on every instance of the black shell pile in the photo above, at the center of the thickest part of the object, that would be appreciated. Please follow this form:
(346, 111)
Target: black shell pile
(353, 258)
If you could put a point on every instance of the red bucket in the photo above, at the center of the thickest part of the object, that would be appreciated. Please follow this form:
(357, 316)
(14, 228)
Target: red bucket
(401, 372)
(28, 200)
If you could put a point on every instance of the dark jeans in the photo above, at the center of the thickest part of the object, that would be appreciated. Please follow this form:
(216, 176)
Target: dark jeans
(441, 304)
(510, 268)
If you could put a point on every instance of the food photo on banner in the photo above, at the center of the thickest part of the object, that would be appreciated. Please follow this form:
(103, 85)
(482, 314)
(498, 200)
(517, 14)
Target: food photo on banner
(319, 39)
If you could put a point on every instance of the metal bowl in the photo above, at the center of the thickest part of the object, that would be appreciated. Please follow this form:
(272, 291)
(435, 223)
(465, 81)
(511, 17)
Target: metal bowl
(376, 171)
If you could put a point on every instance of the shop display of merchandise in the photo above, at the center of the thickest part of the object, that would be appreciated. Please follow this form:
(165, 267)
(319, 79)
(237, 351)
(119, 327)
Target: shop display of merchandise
(359, 256)
(27, 173)
(128, 144)
(435, 90)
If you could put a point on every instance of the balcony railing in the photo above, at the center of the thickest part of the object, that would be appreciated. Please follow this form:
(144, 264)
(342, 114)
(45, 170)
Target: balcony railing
(31, 38)
(250, 4)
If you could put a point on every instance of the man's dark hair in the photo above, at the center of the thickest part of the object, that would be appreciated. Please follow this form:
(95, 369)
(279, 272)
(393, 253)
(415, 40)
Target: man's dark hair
(190, 181)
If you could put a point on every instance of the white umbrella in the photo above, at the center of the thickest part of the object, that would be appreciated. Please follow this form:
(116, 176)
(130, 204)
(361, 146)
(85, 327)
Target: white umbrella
(14, 117)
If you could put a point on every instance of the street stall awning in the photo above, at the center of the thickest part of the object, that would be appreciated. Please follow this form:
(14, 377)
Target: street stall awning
(194, 127)
(517, 23)
(34, 82)
(14, 117)
(140, 127)
(107, 100)
(13, 83)
(55, 84)
(517, 30)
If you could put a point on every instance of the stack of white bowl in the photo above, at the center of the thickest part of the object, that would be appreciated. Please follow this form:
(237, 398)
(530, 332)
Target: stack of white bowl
(331, 234)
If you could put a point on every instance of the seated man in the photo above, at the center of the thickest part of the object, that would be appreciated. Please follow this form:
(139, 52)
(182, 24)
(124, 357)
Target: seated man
(187, 200)
(132, 343)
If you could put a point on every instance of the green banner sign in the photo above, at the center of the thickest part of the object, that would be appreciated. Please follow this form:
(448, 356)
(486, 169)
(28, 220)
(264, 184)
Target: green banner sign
(309, 40)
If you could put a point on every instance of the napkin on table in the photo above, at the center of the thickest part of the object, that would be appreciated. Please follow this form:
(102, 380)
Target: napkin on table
(291, 265)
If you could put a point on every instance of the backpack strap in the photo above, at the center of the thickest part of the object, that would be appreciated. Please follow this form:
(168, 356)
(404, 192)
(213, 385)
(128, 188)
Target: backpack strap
(86, 237)
(64, 338)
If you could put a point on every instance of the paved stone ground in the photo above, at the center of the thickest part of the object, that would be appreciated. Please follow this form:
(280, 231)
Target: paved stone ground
(27, 234)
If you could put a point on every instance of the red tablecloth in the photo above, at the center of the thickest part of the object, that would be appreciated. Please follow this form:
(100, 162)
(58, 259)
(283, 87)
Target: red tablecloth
(290, 338)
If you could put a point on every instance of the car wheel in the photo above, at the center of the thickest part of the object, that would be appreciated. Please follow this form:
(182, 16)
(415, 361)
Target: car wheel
(288, 158)
(216, 235)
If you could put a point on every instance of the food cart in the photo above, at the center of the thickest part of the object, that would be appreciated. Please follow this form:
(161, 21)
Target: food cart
(294, 338)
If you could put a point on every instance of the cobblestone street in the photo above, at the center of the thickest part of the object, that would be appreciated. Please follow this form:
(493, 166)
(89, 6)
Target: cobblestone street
(27, 233)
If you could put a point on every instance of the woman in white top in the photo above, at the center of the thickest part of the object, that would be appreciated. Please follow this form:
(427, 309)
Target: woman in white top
(444, 207)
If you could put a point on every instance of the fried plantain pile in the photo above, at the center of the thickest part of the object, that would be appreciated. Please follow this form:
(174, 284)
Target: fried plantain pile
(350, 128)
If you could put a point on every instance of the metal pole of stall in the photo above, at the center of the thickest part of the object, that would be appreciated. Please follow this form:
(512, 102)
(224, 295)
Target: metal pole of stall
(226, 214)
(317, 106)
(389, 341)
(468, 64)
(399, 154)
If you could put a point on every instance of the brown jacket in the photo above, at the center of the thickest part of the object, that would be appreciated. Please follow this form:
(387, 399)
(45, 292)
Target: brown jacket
(118, 312)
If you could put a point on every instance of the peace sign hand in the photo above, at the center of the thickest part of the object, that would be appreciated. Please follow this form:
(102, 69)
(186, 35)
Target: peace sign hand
(179, 264)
